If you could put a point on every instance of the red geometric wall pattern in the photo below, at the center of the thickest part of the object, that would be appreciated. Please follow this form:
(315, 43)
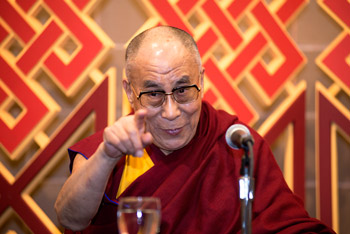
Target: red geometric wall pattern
(233, 39)
(52, 89)
(245, 43)
(50, 50)
(335, 62)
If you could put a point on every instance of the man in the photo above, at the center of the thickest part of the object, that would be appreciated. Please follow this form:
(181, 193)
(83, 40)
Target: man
(173, 147)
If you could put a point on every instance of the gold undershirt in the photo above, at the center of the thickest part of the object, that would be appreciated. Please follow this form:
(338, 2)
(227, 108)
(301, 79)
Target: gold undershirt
(134, 167)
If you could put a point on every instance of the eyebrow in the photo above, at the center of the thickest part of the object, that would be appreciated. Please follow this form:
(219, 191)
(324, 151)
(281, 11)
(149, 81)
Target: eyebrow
(183, 80)
(150, 84)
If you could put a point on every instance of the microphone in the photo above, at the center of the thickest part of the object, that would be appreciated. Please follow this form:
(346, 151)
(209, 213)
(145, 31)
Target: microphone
(237, 136)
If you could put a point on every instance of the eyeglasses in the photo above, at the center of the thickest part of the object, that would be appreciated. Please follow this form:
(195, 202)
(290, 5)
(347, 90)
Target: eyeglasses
(182, 95)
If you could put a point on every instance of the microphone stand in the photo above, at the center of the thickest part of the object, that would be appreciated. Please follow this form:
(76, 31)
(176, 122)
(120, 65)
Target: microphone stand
(246, 187)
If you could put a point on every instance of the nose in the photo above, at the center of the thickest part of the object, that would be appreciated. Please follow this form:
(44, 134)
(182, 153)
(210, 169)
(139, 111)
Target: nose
(170, 108)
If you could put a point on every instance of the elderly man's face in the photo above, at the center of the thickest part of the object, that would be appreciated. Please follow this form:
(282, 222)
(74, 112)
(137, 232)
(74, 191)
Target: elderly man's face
(163, 66)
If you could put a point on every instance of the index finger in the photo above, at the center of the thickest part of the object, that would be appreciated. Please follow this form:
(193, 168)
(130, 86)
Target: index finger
(140, 125)
(140, 119)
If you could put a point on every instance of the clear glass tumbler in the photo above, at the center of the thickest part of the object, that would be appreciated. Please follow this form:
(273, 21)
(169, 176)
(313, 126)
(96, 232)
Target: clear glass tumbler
(139, 215)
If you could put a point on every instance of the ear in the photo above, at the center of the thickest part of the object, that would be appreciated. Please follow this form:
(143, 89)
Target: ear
(128, 91)
(202, 81)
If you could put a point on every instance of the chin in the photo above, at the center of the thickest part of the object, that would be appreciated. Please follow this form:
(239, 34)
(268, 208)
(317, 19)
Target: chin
(171, 146)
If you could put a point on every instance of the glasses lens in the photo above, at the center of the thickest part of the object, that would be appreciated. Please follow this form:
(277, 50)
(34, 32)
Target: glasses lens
(186, 94)
(152, 99)
(181, 95)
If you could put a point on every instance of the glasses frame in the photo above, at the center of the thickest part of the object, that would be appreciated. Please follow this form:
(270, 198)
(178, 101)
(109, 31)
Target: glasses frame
(165, 94)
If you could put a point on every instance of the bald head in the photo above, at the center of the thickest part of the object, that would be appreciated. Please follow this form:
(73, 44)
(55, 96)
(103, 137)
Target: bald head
(160, 34)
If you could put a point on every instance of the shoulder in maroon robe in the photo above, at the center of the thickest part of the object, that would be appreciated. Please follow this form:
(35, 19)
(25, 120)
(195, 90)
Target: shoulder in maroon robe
(198, 186)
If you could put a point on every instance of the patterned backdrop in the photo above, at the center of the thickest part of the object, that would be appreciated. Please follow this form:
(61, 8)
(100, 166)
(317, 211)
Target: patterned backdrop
(58, 85)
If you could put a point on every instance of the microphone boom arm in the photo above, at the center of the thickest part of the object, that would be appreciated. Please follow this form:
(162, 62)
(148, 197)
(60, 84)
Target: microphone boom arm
(238, 137)
(246, 188)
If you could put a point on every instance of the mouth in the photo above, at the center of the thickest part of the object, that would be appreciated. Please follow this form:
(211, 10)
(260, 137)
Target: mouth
(173, 132)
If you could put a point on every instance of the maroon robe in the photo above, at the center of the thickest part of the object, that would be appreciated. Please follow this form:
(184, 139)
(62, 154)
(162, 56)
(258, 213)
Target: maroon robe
(198, 186)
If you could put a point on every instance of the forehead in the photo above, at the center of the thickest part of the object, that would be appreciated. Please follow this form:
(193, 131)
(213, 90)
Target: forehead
(163, 62)
(156, 83)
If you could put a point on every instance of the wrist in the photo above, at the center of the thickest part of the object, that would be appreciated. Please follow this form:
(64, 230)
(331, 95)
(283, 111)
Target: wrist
(111, 159)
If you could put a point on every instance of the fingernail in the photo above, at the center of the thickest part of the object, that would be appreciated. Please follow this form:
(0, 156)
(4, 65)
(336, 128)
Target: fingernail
(139, 153)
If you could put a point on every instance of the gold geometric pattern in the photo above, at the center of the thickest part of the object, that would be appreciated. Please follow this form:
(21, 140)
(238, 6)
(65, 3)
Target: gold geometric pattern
(334, 62)
(250, 62)
(244, 46)
(51, 92)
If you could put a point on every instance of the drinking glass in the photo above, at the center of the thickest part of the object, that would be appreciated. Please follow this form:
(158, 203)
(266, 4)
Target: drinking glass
(139, 215)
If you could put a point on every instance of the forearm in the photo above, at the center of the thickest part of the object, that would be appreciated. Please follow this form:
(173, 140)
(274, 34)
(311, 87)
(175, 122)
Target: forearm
(81, 195)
